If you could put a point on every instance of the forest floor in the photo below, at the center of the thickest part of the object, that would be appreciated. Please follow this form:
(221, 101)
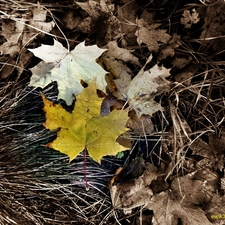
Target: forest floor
(163, 63)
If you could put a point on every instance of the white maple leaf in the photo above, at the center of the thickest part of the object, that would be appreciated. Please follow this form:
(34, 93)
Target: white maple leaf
(70, 67)
(145, 86)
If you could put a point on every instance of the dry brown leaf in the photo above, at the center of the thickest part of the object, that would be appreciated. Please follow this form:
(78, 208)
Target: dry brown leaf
(169, 48)
(135, 192)
(213, 152)
(191, 191)
(86, 25)
(168, 211)
(186, 74)
(18, 34)
(189, 17)
(101, 17)
(183, 202)
(215, 210)
(114, 61)
(122, 83)
(127, 14)
(148, 17)
(214, 26)
(181, 62)
(95, 9)
(117, 53)
(71, 20)
(37, 22)
(140, 125)
(7, 68)
(150, 35)
(12, 31)
(200, 147)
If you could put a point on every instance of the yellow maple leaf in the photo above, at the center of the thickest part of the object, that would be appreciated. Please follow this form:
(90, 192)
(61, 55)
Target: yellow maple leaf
(85, 128)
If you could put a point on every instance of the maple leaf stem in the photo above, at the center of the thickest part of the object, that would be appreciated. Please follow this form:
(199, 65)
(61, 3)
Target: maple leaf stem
(85, 170)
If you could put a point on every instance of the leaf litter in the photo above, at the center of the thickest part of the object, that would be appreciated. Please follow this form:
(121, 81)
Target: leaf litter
(185, 100)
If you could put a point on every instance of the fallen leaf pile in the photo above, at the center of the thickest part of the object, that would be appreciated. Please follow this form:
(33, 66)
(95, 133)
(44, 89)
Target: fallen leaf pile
(139, 68)
(140, 91)
(95, 127)
(69, 68)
